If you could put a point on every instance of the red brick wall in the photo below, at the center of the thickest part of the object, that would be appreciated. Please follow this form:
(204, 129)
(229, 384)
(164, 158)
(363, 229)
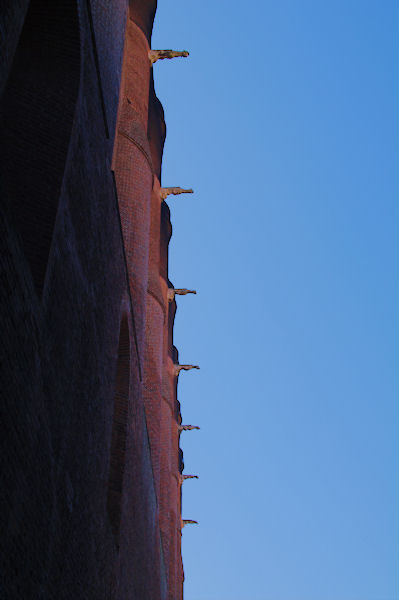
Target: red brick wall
(89, 456)
(146, 227)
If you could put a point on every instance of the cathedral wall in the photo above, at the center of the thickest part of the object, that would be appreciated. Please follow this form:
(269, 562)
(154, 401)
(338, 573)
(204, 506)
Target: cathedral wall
(79, 512)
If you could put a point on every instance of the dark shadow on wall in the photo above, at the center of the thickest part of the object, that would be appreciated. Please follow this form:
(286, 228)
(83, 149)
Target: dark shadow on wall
(119, 430)
(142, 12)
(36, 118)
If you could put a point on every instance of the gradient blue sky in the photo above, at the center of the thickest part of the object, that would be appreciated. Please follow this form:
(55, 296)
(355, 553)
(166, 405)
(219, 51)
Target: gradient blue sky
(284, 119)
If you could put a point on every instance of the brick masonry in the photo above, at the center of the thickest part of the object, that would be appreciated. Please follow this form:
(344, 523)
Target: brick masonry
(89, 442)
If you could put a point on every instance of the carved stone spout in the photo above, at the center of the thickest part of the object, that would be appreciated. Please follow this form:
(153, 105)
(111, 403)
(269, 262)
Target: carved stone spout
(155, 55)
(184, 477)
(185, 522)
(179, 368)
(187, 427)
(173, 191)
(172, 292)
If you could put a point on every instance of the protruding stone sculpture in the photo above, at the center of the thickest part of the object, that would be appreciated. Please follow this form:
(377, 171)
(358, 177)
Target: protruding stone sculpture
(172, 292)
(185, 522)
(155, 55)
(184, 477)
(179, 368)
(164, 192)
(187, 427)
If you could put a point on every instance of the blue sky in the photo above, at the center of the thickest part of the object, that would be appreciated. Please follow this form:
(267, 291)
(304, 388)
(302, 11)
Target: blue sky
(284, 120)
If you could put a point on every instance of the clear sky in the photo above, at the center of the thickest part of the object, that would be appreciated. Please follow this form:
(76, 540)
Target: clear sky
(284, 119)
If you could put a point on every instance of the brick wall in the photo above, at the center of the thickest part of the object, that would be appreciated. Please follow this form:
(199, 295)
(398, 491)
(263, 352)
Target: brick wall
(89, 442)
(90, 488)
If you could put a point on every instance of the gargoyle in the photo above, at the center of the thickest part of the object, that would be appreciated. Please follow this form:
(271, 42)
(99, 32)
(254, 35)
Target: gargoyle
(164, 192)
(155, 55)
(172, 292)
(187, 427)
(184, 477)
(179, 368)
(185, 522)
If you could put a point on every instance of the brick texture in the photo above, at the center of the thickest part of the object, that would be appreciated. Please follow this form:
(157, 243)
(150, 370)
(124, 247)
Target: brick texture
(89, 447)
